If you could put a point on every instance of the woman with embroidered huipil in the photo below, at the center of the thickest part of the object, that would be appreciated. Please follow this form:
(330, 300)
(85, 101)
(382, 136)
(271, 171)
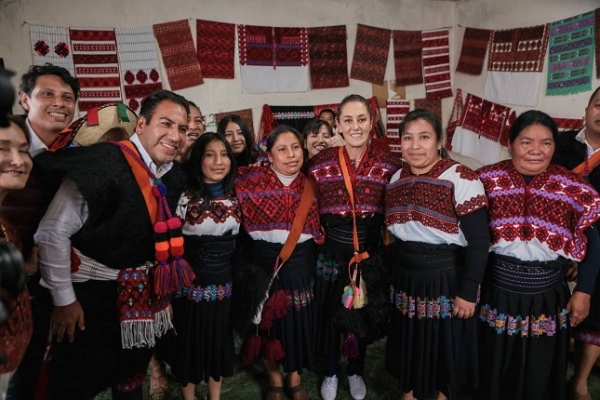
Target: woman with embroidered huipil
(204, 349)
(16, 330)
(277, 202)
(369, 170)
(541, 217)
(436, 210)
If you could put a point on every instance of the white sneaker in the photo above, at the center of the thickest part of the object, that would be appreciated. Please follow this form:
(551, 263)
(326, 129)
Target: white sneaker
(329, 387)
(358, 390)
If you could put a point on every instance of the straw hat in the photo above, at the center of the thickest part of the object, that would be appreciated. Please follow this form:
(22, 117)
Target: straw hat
(111, 125)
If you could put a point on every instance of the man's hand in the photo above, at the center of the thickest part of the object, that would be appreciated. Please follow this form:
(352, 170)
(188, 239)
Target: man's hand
(32, 265)
(64, 320)
(334, 141)
(463, 308)
(578, 307)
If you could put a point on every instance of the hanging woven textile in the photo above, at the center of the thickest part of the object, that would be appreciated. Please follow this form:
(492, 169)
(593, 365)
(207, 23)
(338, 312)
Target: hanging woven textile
(140, 72)
(328, 57)
(216, 48)
(571, 49)
(457, 109)
(408, 57)
(97, 66)
(515, 65)
(178, 54)
(396, 110)
(370, 54)
(474, 47)
(51, 44)
(436, 64)
(482, 131)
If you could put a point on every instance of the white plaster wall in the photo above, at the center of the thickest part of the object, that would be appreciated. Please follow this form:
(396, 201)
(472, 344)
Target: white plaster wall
(217, 95)
(506, 14)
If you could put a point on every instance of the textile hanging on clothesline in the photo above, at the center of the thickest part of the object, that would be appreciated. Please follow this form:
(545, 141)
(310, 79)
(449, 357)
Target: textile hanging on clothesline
(51, 44)
(138, 59)
(515, 65)
(371, 52)
(408, 57)
(474, 48)
(436, 64)
(273, 60)
(396, 110)
(216, 49)
(96, 66)
(597, 29)
(433, 105)
(178, 54)
(246, 115)
(482, 131)
(571, 48)
(328, 57)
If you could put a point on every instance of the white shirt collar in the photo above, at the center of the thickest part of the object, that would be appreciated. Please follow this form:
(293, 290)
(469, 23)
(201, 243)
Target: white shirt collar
(581, 138)
(135, 139)
(36, 146)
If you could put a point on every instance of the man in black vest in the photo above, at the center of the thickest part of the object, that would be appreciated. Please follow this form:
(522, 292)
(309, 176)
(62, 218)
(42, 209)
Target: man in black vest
(580, 151)
(106, 314)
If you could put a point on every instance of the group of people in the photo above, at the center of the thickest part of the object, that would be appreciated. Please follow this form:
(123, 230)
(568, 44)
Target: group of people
(151, 250)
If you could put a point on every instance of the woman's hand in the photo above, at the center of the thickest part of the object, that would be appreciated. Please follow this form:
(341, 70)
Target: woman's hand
(463, 308)
(578, 307)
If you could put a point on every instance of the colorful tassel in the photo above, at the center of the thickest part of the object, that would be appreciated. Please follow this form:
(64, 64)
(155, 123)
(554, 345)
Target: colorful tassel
(350, 346)
(251, 349)
(279, 302)
(274, 350)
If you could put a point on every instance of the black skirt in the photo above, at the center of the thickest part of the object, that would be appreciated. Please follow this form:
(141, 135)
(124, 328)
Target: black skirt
(427, 349)
(524, 330)
(295, 330)
(332, 274)
(203, 346)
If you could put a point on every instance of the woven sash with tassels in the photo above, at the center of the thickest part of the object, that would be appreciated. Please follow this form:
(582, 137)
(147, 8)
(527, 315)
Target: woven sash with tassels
(277, 304)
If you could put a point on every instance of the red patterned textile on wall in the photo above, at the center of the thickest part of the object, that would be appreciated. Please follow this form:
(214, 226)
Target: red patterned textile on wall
(140, 71)
(408, 57)
(396, 110)
(519, 50)
(370, 54)
(216, 48)
(433, 105)
(474, 47)
(321, 107)
(178, 54)
(96, 65)
(568, 124)
(436, 64)
(273, 59)
(328, 57)
(487, 119)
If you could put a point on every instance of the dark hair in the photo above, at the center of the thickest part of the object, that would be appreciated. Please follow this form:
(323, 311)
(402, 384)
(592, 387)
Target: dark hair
(29, 79)
(592, 96)
(329, 110)
(529, 118)
(191, 103)
(21, 124)
(314, 126)
(152, 101)
(245, 157)
(193, 167)
(354, 98)
(280, 130)
(426, 116)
